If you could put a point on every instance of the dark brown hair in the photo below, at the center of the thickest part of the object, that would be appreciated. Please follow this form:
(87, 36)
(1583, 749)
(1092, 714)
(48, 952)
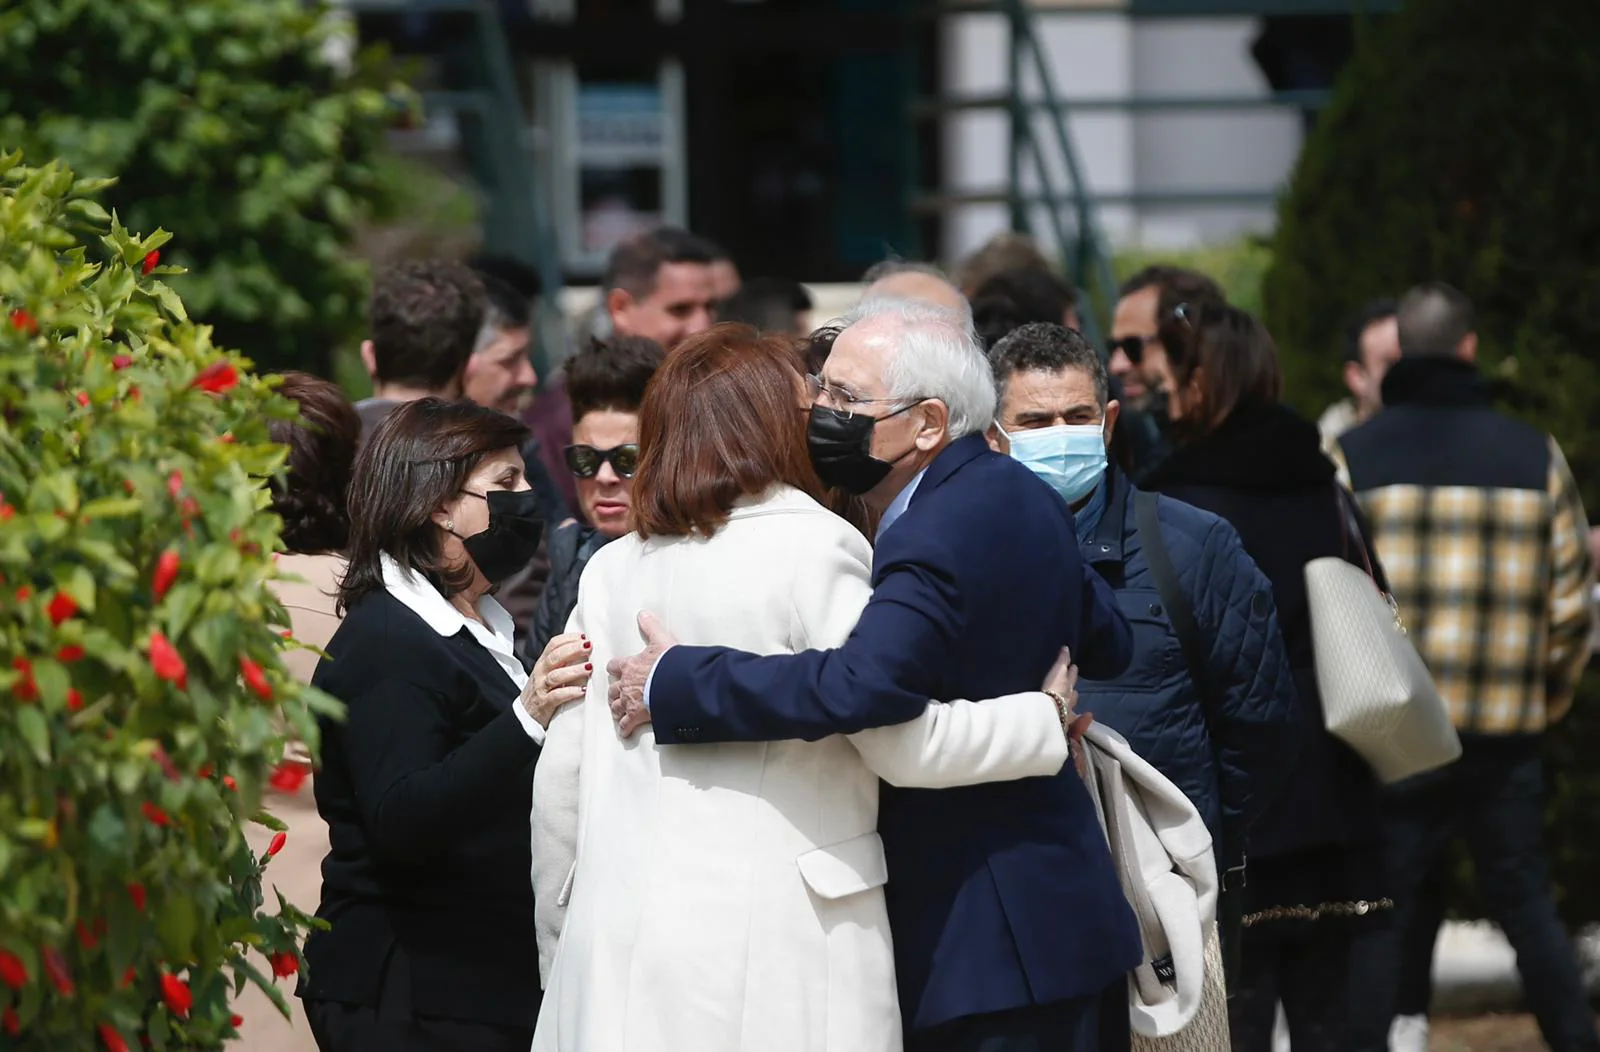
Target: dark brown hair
(310, 497)
(412, 463)
(1237, 359)
(1175, 285)
(612, 374)
(635, 262)
(423, 319)
(721, 420)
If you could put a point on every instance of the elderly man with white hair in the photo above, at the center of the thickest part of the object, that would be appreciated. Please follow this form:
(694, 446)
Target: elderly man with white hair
(1008, 921)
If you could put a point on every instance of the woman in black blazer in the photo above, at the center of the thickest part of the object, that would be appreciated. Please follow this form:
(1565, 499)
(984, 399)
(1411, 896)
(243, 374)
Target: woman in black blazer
(426, 784)
(1315, 890)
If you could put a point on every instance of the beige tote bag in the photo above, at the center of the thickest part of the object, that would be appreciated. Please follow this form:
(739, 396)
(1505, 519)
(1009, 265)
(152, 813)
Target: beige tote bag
(1377, 695)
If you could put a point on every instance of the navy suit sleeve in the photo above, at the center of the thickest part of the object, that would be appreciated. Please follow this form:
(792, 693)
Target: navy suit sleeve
(1253, 717)
(1105, 645)
(893, 662)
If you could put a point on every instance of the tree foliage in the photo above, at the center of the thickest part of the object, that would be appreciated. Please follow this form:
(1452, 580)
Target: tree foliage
(142, 694)
(223, 119)
(1463, 144)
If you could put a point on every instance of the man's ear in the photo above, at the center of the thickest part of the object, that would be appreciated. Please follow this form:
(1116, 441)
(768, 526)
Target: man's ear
(996, 440)
(935, 423)
(618, 303)
(1113, 410)
(1468, 350)
(1355, 378)
(369, 360)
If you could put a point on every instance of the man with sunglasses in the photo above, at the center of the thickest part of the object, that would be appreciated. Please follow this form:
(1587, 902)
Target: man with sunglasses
(1137, 358)
(606, 385)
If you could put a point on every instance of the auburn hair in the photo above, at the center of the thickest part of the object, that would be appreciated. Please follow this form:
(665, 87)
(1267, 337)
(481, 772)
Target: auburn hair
(723, 418)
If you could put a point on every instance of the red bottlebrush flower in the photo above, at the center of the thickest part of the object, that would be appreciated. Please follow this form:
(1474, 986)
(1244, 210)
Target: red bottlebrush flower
(154, 814)
(111, 1039)
(289, 777)
(165, 573)
(22, 321)
(278, 840)
(74, 699)
(175, 484)
(70, 653)
(228, 781)
(87, 937)
(120, 362)
(189, 509)
(83, 399)
(12, 971)
(237, 1021)
(129, 977)
(284, 964)
(25, 688)
(226, 438)
(255, 679)
(150, 260)
(164, 761)
(176, 993)
(7, 512)
(55, 966)
(9, 1022)
(134, 392)
(137, 894)
(127, 485)
(166, 661)
(217, 377)
(24, 594)
(62, 606)
(205, 771)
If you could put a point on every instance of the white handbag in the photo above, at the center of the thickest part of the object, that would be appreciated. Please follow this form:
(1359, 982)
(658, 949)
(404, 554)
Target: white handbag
(1377, 695)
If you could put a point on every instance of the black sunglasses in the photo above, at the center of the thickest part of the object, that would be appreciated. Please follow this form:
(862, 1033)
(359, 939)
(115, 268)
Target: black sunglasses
(1133, 346)
(585, 461)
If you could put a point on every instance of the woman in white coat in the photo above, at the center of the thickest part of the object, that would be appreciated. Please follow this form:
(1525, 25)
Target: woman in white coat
(729, 897)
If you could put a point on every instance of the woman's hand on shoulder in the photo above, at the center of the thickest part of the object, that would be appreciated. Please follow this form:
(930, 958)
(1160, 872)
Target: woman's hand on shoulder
(1062, 684)
(559, 677)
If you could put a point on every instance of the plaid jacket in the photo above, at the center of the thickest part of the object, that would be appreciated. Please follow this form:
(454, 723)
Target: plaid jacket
(1482, 534)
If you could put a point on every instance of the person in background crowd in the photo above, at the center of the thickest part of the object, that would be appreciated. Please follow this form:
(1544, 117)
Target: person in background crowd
(1007, 250)
(606, 385)
(499, 373)
(310, 499)
(1215, 712)
(771, 305)
(423, 319)
(1371, 347)
(1146, 301)
(1014, 298)
(732, 897)
(1316, 895)
(922, 282)
(1484, 535)
(1021, 957)
(658, 285)
(425, 783)
(725, 280)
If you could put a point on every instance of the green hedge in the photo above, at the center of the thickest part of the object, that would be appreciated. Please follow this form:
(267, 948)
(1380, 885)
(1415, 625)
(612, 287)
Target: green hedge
(225, 120)
(1463, 143)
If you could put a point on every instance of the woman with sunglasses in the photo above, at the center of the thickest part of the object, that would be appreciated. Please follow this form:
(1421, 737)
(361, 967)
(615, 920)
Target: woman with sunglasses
(606, 383)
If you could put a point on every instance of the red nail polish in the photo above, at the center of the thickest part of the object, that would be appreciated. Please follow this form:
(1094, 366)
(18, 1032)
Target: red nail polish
(588, 646)
(588, 668)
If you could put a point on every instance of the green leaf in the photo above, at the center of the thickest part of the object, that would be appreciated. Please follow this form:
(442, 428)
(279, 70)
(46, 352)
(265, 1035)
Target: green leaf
(76, 581)
(34, 731)
(176, 925)
(169, 300)
(180, 606)
(112, 507)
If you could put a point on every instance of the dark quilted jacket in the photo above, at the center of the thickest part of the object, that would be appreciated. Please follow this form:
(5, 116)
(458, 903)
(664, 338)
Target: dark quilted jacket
(1231, 747)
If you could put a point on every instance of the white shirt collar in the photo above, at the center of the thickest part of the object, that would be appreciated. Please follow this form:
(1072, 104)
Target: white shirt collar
(424, 600)
(901, 502)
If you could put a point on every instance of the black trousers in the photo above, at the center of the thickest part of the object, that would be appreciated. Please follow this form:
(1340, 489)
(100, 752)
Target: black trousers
(1313, 967)
(1066, 1026)
(391, 1026)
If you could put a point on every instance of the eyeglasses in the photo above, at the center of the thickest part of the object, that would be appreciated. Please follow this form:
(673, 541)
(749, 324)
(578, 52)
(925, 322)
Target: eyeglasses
(585, 461)
(1132, 346)
(839, 399)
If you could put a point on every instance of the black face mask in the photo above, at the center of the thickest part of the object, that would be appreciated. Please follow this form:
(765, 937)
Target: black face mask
(841, 449)
(515, 528)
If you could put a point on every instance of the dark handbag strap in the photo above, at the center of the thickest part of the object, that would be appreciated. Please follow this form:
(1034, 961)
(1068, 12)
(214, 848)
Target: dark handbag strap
(1230, 900)
(1350, 526)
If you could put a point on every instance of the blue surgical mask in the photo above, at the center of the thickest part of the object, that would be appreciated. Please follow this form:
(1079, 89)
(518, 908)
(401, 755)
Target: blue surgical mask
(1071, 458)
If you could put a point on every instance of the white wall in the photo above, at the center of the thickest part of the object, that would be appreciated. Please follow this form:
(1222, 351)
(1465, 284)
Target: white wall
(1115, 56)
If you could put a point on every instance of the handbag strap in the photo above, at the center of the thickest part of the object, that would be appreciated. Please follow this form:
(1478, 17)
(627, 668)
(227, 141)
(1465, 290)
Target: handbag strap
(1350, 526)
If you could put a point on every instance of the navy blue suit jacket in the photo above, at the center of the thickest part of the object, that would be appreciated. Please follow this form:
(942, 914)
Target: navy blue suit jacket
(1000, 896)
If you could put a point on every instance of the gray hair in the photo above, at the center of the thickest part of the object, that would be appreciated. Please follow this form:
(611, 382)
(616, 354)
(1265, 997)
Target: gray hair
(935, 354)
(1433, 319)
(495, 322)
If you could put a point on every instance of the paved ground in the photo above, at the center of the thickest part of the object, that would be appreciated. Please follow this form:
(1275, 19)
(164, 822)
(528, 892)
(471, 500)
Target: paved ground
(1492, 1033)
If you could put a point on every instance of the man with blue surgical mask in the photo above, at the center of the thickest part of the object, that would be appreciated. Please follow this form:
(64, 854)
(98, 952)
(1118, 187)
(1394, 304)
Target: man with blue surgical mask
(1208, 698)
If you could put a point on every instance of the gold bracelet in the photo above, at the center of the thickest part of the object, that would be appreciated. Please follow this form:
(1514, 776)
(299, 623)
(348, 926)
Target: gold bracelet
(1063, 711)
